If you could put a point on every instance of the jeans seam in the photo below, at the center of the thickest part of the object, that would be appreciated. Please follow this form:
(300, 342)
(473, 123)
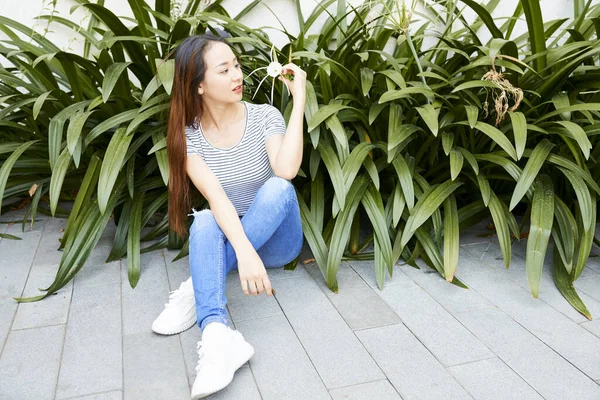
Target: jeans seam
(221, 242)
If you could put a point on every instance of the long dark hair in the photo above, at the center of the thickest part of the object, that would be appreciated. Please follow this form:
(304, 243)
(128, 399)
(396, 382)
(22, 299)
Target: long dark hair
(185, 106)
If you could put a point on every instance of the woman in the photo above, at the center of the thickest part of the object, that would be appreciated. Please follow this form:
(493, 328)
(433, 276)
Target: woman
(241, 157)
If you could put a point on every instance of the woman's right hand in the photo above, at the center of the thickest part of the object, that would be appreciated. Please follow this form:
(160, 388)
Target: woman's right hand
(253, 274)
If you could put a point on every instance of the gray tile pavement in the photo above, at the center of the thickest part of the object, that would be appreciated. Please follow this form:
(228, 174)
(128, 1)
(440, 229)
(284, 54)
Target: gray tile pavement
(419, 338)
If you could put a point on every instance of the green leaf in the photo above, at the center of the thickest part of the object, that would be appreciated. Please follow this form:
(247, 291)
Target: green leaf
(394, 125)
(398, 134)
(339, 133)
(519, 125)
(542, 216)
(160, 144)
(394, 76)
(426, 206)
(429, 115)
(111, 166)
(571, 166)
(119, 245)
(76, 124)
(324, 112)
(311, 108)
(484, 188)
(564, 284)
(9, 236)
(84, 194)
(144, 115)
(513, 170)
(335, 172)
(398, 205)
(501, 224)
(58, 176)
(373, 206)
(584, 198)
(456, 163)
(472, 115)
(533, 166)
(150, 89)
(584, 247)
(409, 92)
(447, 142)
(485, 16)
(406, 180)
(8, 164)
(564, 232)
(451, 238)
(537, 36)
(109, 123)
(512, 222)
(113, 73)
(95, 103)
(166, 72)
(39, 102)
(569, 109)
(366, 80)
(431, 250)
(579, 135)
(470, 159)
(374, 111)
(474, 84)
(341, 230)
(497, 136)
(161, 157)
(561, 100)
(56, 127)
(354, 162)
(133, 240)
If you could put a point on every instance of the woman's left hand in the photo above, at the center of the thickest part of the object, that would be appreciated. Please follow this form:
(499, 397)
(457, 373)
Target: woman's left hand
(298, 85)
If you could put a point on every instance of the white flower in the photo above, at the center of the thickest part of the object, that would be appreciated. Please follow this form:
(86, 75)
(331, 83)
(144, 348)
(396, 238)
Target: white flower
(274, 69)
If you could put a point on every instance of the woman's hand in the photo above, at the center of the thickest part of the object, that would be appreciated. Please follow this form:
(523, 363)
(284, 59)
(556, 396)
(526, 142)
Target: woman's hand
(298, 85)
(253, 275)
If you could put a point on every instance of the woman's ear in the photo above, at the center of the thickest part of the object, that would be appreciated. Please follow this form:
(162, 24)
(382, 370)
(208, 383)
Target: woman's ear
(200, 91)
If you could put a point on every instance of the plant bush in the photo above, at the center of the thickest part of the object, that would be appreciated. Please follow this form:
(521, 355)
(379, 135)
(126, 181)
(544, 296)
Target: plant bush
(424, 140)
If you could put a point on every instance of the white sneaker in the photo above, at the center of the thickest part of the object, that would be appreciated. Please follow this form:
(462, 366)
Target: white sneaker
(220, 353)
(179, 313)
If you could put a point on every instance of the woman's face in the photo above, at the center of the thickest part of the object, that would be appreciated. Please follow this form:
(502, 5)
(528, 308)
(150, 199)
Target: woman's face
(223, 74)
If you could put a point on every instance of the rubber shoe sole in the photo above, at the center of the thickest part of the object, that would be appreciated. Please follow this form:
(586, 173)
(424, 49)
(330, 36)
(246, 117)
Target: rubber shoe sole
(245, 353)
(177, 329)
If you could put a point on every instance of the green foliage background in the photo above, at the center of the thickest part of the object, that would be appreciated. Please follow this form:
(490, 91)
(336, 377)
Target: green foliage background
(408, 138)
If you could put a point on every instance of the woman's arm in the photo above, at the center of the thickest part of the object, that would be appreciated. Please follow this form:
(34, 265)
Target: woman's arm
(253, 275)
(289, 157)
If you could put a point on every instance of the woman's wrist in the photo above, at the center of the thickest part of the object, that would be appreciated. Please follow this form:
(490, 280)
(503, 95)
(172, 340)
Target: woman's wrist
(299, 100)
(243, 248)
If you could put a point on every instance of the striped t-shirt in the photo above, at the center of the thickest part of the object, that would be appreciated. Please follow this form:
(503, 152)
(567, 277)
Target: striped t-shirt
(243, 168)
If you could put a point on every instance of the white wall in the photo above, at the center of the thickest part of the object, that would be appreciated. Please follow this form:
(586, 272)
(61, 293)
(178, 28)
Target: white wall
(25, 12)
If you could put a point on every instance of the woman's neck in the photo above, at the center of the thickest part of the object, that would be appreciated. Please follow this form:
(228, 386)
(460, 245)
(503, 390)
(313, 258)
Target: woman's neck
(218, 117)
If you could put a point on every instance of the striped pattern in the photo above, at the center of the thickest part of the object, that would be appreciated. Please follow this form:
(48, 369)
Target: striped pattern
(243, 168)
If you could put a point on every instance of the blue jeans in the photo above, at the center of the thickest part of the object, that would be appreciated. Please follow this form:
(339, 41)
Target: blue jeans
(272, 225)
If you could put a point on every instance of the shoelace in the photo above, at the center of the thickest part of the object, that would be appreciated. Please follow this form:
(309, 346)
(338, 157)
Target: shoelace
(212, 351)
(209, 353)
(175, 297)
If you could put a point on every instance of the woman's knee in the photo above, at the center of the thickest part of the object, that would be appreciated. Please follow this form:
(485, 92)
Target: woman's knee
(204, 220)
(279, 189)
